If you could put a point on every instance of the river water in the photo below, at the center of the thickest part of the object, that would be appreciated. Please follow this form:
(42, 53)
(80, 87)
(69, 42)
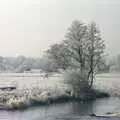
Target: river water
(51, 112)
(99, 107)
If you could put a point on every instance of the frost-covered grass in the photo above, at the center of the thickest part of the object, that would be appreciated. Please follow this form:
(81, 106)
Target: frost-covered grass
(28, 97)
(31, 90)
(43, 91)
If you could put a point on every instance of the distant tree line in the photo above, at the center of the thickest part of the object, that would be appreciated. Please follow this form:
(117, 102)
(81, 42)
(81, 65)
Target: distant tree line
(21, 64)
(114, 63)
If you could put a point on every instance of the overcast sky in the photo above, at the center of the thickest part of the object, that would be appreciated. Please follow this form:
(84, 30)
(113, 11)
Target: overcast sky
(28, 27)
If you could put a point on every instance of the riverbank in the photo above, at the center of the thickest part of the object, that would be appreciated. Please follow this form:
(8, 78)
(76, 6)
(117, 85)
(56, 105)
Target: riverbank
(24, 98)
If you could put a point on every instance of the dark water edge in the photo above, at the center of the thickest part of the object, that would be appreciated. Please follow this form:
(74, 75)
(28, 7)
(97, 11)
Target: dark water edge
(74, 110)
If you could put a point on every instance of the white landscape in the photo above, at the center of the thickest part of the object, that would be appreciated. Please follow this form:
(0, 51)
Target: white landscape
(29, 87)
(38, 88)
(59, 59)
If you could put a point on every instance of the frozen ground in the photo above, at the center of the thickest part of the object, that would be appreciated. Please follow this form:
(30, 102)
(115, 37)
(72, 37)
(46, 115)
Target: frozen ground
(29, 80)
(31, 89)
(107, 81)
(38, 88)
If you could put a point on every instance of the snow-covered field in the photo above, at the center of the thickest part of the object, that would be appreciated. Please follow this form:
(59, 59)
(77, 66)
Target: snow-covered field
(31, 88)
(29, 80)
(108, 82)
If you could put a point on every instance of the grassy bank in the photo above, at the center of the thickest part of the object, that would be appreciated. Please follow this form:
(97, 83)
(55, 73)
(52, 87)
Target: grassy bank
(20, 99)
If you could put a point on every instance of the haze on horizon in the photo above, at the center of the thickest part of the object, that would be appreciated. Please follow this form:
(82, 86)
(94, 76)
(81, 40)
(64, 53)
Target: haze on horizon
(28, 27)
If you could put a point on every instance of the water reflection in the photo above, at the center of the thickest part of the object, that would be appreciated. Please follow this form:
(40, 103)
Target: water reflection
(82, 107)
(99, 106)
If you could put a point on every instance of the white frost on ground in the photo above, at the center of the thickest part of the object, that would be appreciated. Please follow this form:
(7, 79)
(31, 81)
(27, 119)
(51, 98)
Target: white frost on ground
(30, 88)
(108, 82)
(34, 87)
(28, 80)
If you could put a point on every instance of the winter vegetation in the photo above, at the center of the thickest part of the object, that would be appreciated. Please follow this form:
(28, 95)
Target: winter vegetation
(114, 63)
(79, 56)
(28, 97)
(38, 95)
(82, 50)
(23, 64)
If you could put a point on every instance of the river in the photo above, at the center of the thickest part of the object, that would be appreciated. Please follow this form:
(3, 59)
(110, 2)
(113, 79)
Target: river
(54, 111)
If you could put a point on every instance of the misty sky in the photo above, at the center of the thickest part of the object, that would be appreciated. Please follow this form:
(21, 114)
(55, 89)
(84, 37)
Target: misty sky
(28, 27)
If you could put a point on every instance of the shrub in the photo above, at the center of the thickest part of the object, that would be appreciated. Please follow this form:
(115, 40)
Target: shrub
(77, 83)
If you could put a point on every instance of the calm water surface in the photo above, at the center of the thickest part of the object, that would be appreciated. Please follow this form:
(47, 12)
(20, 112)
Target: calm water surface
(100, 107)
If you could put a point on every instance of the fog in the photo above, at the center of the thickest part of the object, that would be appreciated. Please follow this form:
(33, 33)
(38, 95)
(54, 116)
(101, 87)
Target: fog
(28, 27)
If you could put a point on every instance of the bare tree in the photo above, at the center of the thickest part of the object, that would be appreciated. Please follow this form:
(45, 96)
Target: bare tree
(95, 48)
(83, 49)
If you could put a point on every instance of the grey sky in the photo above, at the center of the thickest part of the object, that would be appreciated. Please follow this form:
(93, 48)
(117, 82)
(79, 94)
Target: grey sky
(30, 26)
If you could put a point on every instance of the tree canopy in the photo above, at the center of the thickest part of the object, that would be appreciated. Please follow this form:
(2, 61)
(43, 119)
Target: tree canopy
(82, 49)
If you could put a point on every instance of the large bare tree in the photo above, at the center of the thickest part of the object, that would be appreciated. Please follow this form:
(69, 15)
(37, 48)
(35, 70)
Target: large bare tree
(83, 49)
